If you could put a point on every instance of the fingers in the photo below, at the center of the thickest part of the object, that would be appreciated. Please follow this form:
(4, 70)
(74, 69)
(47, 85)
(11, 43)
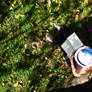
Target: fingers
(71, 57)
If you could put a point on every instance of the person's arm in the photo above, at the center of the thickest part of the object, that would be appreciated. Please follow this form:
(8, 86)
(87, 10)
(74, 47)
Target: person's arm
(74, 71)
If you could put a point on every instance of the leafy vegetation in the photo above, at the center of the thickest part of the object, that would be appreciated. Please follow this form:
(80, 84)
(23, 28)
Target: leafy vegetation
(28, 63)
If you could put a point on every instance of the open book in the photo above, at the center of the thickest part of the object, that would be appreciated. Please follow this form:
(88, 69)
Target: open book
(71, 44)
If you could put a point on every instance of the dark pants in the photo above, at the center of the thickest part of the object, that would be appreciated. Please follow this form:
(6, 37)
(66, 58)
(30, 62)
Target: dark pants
(59, 39)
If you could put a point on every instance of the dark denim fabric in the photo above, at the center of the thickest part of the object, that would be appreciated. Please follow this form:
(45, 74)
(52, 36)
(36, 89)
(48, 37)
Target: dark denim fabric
(61, 37)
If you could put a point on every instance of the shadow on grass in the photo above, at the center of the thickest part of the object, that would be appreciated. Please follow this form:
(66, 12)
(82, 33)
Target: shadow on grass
(86, 86)
(4, 9)
(81, 28)
(4, 71)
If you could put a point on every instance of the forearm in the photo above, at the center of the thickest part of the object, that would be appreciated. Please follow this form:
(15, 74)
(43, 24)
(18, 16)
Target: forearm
(74, 71)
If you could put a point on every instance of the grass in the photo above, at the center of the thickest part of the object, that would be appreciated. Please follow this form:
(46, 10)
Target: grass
(28, 63)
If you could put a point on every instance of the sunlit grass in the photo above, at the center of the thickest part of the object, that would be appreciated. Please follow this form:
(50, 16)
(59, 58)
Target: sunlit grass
(27, 61)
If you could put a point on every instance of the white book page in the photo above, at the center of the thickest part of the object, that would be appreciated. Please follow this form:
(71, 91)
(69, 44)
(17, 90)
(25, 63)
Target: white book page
(68, 48)
(75, 41)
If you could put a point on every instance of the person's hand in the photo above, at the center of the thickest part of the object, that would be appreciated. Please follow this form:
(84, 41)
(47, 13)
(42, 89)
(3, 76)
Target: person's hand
(71, 58)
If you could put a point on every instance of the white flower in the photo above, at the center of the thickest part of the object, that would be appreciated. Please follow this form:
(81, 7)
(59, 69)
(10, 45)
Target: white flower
(11, 8)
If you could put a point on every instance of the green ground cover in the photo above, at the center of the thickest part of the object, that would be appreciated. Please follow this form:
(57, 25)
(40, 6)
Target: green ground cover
(28, 63)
